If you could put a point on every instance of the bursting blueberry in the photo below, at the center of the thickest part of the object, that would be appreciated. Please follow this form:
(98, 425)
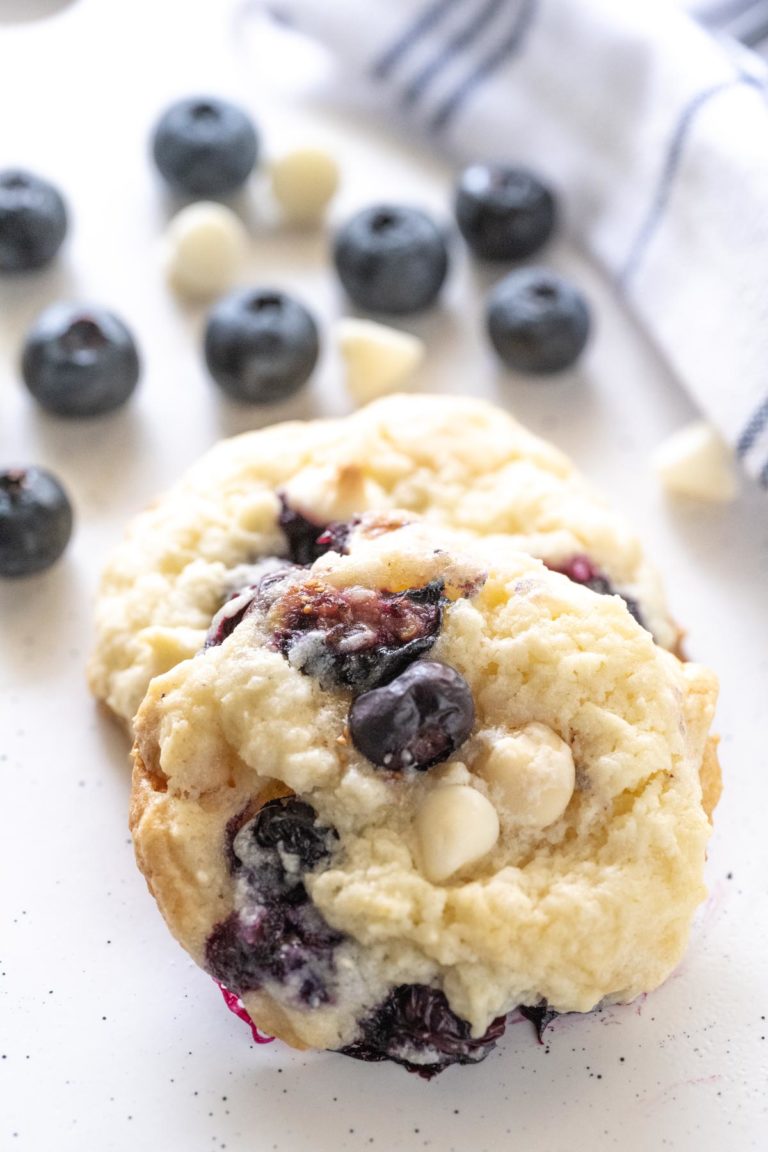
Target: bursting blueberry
(416, 1027)
(205, 147)
(35, 521)
(276, 934)
(355, 638)
(80, 361)
(33, 221)
(261, 345)
(537, 321)
(391, 258)
(503, 213)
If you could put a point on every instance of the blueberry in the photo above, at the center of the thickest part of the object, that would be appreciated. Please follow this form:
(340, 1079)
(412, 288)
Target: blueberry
(33, 221)
(301, 533)
(307, 539)
(35, 521)
(540, 1015)
(581, 570)
(416, 1027)
(391, 258)
(261, 345)
(416, 720)
(275, 933)
(80, 361)
(537, 321)
(205, 147)
(292, 947)
(283, 828)
(356, 638)
(503, 213)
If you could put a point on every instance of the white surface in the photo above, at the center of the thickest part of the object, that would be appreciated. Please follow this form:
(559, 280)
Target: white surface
(110, 1038)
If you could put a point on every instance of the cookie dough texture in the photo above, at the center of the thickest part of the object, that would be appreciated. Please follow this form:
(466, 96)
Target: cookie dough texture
(457, 462)
(595, 905)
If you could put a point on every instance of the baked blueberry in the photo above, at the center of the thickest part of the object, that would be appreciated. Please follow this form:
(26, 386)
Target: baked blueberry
(286, 836)
(80, 361)
(307, 539)
(33, 221)
(276, 933)
(540, 1015)
(391, 258)
(35, 520)
(581, 570)
(537, 321)
(416, 1027)
(417, 720)
(355, 637)
(205, 147)
(261, 345)
(503, 213)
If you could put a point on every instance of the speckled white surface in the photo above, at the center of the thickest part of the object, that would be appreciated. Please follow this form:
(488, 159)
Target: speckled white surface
(109, 1037)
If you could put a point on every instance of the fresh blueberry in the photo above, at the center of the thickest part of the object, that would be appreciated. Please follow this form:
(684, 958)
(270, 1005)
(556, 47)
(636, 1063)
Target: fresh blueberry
(356, 638)
(503, 213)
(537, 321)
(80, 361)
(391, 258)
(416, 1027)
(33, 221)
(415, 721)
(261, 345)
(205, 147)
(35, 521)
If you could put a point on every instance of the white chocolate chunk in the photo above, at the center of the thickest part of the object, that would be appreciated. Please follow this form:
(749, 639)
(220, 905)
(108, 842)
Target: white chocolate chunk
(304, 182)
(378, 359)
(533, 774)
(695, 462)
(330, 492)
(456, 826)
(205, 247)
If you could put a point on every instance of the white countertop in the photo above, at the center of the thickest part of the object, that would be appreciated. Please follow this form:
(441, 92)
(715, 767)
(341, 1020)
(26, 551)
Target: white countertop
(110, 1038)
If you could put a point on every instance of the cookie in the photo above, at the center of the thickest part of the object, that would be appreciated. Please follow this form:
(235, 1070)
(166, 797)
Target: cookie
(455, 461)
(401, 792)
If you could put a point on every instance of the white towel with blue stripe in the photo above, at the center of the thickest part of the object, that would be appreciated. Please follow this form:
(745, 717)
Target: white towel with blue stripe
(654, 130)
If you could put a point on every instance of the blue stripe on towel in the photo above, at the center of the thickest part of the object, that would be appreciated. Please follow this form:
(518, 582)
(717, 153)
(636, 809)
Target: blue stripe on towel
(457, 44)
(723, 14)
(429, 17)
(670, 168)
(753, 428)
(485, 69)
(763, 477)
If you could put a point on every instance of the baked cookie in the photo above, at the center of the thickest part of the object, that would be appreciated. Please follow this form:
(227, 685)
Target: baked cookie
(418, 784)
(455, 461)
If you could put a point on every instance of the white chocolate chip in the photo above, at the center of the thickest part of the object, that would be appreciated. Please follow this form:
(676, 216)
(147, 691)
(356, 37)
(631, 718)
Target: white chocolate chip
(205, 247)
(695, 462)
(456, 826)
(533, 775)
(330, 491)
(378, 359)
(303, 182)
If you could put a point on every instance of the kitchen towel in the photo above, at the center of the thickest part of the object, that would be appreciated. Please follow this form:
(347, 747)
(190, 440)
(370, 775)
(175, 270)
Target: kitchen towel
(654, 130)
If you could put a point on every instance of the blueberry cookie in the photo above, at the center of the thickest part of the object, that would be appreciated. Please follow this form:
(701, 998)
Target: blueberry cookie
(402, 791)
(456, 462)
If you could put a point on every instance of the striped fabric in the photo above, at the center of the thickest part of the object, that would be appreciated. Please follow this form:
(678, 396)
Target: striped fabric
(653, 124)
